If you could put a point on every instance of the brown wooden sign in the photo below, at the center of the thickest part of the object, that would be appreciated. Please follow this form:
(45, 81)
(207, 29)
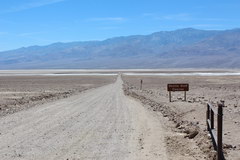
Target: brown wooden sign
(178, 87)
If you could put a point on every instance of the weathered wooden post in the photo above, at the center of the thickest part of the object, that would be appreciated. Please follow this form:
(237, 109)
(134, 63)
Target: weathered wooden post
(212, 119)
(220, 129)
(170, 96)
(141, 82)
(208, 109)
(185, 96)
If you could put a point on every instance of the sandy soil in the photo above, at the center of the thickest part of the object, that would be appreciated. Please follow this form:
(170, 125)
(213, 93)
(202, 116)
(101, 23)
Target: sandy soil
(21, 92)
(99, 123)
(189, 117)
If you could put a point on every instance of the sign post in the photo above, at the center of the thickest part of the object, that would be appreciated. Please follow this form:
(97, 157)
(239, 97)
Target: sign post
(170, 97)
(177, 87)
(185, 96)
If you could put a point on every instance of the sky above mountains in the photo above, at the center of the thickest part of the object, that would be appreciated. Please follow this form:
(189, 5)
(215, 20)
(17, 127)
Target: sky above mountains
(41, 22)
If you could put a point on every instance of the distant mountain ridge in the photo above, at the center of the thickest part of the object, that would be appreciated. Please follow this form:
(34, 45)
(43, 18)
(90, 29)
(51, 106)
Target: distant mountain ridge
(183, 48)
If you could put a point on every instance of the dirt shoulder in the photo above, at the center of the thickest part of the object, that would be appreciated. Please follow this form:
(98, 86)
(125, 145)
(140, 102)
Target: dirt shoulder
(21, 92)
(187, 119)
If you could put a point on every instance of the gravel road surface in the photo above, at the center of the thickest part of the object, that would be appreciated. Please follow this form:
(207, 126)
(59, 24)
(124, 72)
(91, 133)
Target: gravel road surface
(99, 123)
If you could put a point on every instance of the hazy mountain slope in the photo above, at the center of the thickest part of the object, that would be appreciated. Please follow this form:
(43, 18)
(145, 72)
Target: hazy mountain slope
(181, 48)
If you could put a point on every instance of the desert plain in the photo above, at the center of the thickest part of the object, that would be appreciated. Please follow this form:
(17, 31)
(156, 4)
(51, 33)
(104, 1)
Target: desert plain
(103, 114)
(22, 91)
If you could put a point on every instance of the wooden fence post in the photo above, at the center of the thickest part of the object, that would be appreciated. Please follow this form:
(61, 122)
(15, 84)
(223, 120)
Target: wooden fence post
(207, 115)
(212, 119)
(220, 130)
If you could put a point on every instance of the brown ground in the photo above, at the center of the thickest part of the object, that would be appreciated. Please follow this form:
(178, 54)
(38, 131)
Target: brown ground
(189, 118)
(21, 92)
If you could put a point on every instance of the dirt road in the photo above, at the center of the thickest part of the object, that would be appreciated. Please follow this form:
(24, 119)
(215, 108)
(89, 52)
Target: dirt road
(99, 123)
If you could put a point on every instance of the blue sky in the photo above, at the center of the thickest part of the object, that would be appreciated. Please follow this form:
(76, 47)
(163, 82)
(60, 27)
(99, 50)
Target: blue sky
(40, 22)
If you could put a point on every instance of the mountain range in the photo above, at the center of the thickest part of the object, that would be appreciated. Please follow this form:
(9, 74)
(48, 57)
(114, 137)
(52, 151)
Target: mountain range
(183, 48)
